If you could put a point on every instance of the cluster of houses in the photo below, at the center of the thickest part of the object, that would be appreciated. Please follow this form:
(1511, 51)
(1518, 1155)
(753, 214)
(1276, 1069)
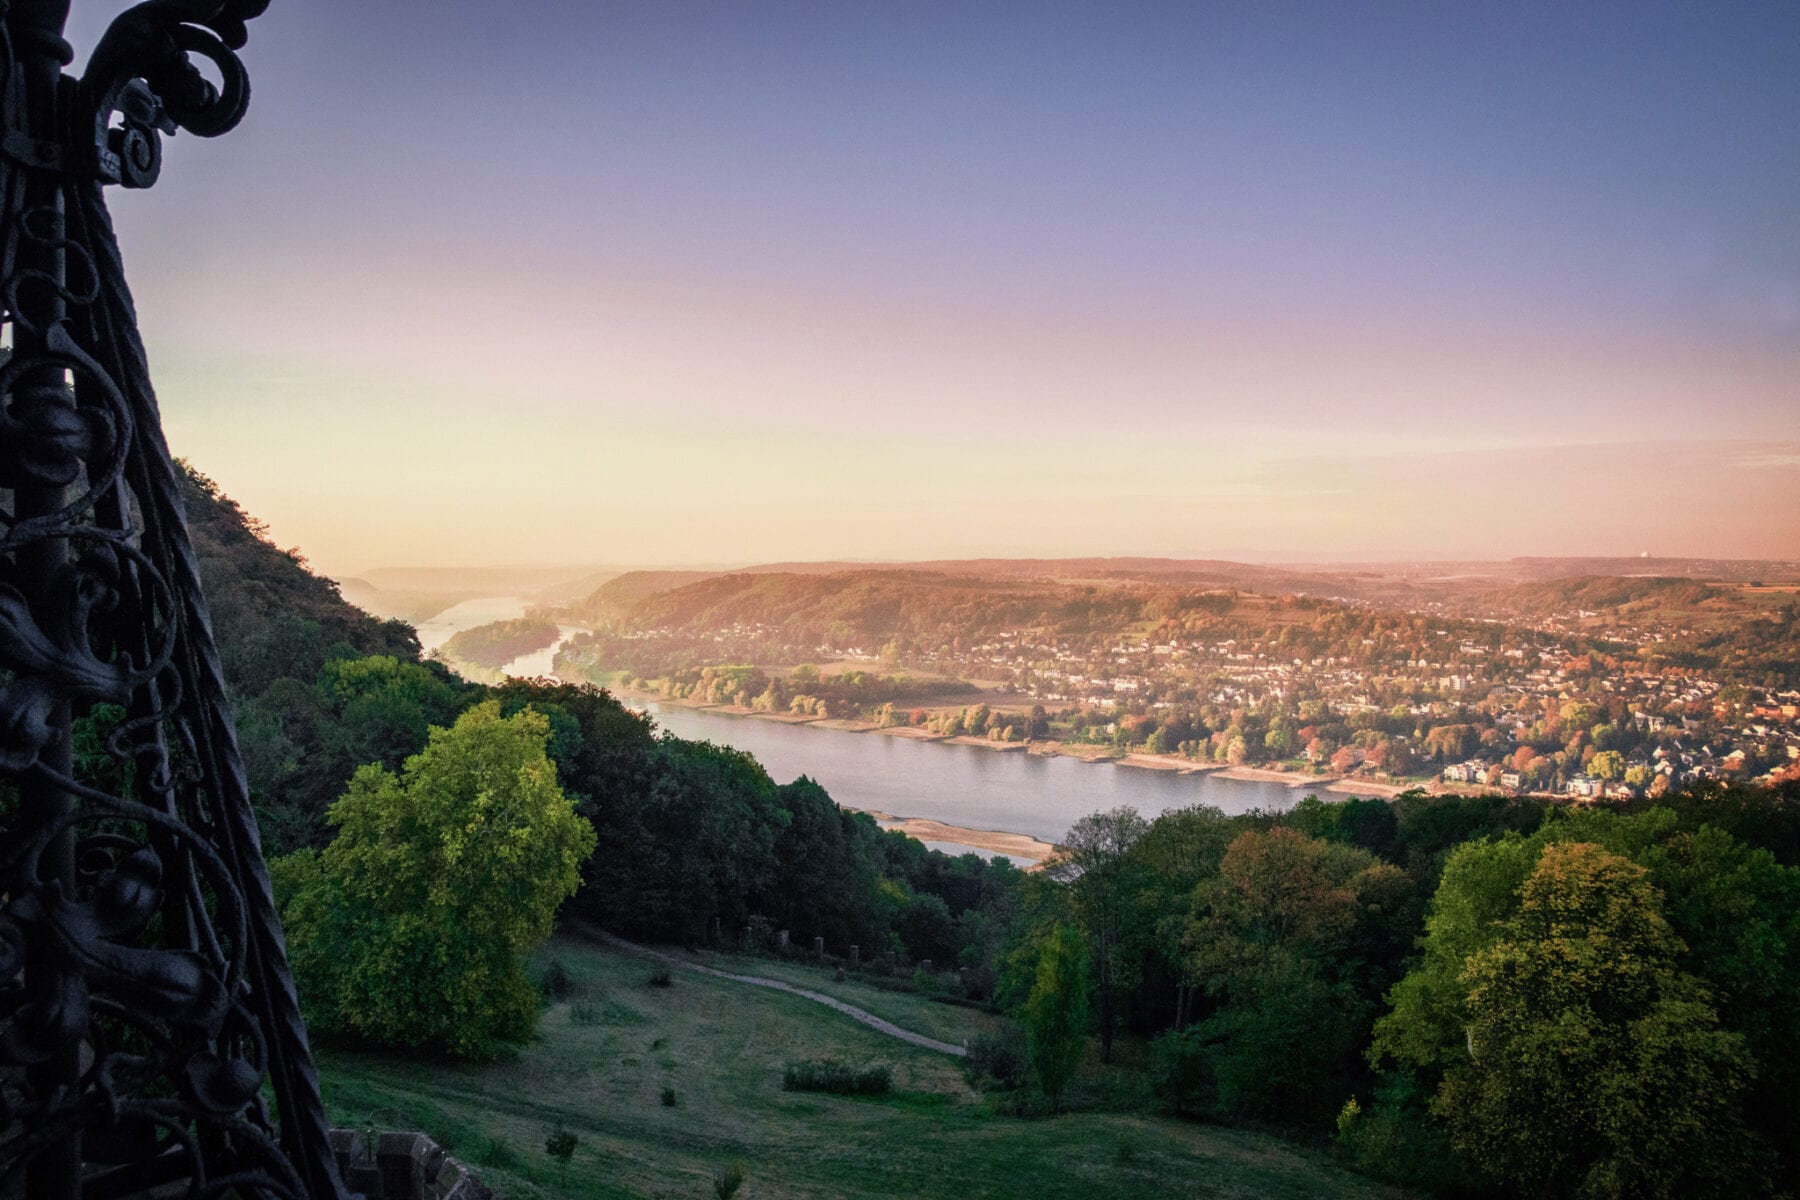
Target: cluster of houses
(1685, 749)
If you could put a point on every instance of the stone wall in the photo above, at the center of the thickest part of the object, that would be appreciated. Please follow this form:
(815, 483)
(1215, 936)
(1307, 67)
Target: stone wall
(402, 1166)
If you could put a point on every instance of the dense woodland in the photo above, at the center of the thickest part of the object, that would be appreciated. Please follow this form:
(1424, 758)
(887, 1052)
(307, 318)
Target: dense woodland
(1477, 995)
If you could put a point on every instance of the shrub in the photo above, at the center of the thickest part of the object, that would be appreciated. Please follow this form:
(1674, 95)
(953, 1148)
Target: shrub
(560, 1145)
(557, 983)
(1183, 1071)
(829, 1075)
(1396, 1140)
(727, 1180)
(999, 1058)
(497, 1153)
(669, 1098)
(1015, 1103)
(659, 978)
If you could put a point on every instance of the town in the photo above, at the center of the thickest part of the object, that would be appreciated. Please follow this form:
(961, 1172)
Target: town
(1577, 702)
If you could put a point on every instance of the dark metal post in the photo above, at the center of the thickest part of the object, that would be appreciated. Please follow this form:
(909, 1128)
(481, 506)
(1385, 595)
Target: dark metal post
(42, 391)
(145, 997)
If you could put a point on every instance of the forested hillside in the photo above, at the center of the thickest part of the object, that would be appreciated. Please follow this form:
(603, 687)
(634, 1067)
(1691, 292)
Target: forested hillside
(272, 615)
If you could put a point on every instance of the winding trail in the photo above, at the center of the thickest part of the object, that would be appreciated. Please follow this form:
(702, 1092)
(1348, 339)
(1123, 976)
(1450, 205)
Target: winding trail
(849, 1010)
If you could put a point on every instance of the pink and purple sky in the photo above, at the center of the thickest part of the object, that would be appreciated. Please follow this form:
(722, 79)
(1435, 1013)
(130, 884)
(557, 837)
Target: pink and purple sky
(674, 282)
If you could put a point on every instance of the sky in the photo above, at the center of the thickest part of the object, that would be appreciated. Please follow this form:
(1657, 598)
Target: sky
(666, 282)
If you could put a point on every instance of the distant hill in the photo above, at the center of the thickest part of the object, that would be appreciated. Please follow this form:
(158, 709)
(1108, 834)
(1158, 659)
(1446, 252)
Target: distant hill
(1611, 592)
(1732, 570)
(393, 604)
(618, 597)
(475, 581)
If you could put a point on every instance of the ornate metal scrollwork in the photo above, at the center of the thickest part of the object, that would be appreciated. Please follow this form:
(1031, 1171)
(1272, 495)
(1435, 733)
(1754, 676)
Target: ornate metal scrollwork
(147, 1015)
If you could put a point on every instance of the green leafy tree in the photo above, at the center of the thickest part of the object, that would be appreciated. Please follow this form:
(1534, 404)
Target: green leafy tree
(1608, 764)
(411, 927)
(1575, 1057)
(1292, 940)
(1096, 863)
(1056, 1013)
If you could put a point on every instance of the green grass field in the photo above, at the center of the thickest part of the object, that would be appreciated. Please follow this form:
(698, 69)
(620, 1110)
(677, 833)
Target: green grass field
(604, 1056)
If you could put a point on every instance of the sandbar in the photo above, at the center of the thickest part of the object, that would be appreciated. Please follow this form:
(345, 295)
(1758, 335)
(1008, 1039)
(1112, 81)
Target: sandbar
(1019, 845)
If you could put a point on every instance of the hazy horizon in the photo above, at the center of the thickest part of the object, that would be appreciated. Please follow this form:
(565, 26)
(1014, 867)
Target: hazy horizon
(678, 283)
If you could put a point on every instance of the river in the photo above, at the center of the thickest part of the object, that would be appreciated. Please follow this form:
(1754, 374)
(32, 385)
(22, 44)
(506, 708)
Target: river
(483, 611)
(964, 786)
(967, 786)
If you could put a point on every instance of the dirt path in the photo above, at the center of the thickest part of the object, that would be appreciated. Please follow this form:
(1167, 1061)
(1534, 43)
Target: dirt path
(849, 1010)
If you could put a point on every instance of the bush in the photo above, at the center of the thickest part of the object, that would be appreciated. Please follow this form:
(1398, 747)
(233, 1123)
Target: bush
(560, 1145)
(1182, 1071)
(1396, 1140)
(1015, 1103)
(497, 1153)
(669, 1098)
(841, 1079)
(557, 983)
(727, 1180)
(999, 1058)
(659, 978)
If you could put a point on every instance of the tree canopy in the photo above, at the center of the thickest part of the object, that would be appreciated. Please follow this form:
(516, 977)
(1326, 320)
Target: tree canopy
(411, 927)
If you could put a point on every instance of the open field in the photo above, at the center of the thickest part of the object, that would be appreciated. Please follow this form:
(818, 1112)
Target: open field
(604, 1056)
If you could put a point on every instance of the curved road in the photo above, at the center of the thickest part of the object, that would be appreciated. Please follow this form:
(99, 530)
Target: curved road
(849, 1010)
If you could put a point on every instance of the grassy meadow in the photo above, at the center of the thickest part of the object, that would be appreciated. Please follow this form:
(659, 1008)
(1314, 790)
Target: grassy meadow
(611, 1056)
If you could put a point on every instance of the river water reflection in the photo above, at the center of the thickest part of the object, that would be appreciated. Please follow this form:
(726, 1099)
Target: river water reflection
(964, 785)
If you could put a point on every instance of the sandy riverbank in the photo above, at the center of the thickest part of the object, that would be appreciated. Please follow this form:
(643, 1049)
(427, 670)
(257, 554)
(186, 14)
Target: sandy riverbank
(987, 743)
(1368, 787)
(1291, 779)
(1019, 845)
(1158, 762)
(845, 726)
(1079, 750)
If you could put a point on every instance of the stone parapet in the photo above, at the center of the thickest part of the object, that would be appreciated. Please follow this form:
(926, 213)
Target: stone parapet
(402, 1166)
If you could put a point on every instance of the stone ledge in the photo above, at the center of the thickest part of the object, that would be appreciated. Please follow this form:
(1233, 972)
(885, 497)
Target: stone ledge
(402, 1166)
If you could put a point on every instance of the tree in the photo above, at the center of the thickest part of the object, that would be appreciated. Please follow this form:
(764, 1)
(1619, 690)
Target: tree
(1094, 863)
(1575, 1057)
(412, 926)
(1293, 939)
(1607, 764)
(1055, 1015)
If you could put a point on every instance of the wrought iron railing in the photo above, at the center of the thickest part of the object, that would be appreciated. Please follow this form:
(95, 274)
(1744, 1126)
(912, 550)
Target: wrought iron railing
(150, 1041)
